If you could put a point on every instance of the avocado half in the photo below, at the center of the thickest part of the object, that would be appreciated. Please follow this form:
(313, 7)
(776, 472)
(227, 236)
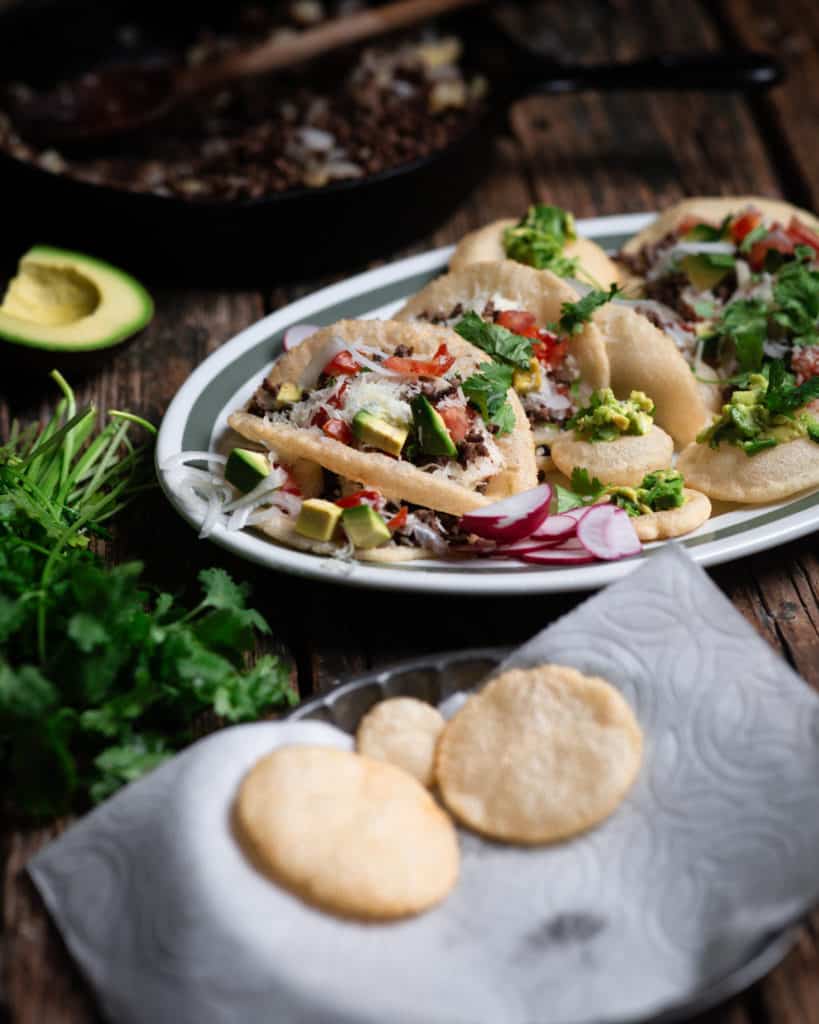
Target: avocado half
(66, 301)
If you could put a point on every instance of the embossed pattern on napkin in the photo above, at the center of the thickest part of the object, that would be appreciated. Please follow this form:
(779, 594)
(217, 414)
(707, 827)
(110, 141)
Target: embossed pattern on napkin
(716, 847)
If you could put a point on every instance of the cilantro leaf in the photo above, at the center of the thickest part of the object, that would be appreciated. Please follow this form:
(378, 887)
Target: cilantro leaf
(585, 485)
(753, 236)
(796, 291)
(503, 345)
(783, 396)
(539, 239)
(745, 323)
(487, 389)
(575, 315)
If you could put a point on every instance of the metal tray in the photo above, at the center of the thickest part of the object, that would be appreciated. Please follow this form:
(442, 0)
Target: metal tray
(433, 678)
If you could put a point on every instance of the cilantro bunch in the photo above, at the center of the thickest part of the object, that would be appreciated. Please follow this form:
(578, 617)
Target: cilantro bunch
(102, 678)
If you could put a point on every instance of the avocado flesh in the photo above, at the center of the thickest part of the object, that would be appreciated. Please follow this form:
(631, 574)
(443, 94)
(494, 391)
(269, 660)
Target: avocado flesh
(433, 436)
(61, 300)
(246, 469)
(702, 275)
(379, 433)
(365, 527)
(318, 519)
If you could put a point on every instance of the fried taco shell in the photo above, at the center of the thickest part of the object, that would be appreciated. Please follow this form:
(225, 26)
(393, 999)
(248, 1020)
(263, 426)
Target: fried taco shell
(539, 292)
(486, 244)
(395, 479)
(726, 473)
(643, 357)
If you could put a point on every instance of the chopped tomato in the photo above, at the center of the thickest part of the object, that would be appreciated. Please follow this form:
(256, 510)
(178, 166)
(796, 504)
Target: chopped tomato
(338, 430)
(337, 400)
(805, 362)
(341, 365)
(319, 417)
(518, 322)
(437, 366)
(744, 223)
(365, 497)
(398, 520)
(800, 234)
(550, 350)
(458, 419)
(775, 241)
(290, 485)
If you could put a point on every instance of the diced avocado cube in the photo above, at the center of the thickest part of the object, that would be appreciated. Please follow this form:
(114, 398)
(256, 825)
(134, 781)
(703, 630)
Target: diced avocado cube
(379, 433)
(288, 394)
(364, 526)
(702, 274)
(433, 436)
(318, 519)
(245, 469)
(524, 381)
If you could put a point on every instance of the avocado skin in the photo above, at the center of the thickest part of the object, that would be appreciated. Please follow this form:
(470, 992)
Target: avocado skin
(245, 469)
(364, 526)
(433, 436)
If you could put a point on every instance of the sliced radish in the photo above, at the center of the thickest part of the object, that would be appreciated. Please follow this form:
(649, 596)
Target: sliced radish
(555, 527)
(576, 513)
(520, 547)
(512, 518)
(608, 533)
(296, 334)
(559, 556)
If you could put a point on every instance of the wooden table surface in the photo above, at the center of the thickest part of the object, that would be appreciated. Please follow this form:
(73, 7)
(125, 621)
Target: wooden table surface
(595, 155)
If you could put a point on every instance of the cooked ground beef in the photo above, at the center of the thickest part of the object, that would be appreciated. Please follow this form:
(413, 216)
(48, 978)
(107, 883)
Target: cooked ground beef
(668, 290)
(404, 351)
(644, 259)
(264, 399)
(473, 447)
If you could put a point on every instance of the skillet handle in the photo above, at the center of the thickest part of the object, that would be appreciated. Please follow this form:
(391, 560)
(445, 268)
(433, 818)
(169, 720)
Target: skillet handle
(743, 70)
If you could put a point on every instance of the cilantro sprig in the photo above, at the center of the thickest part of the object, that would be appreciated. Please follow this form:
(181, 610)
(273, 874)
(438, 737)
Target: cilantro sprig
(101, 677)
(487, 391)
(503, 345)
(575, 315)
(539, 239)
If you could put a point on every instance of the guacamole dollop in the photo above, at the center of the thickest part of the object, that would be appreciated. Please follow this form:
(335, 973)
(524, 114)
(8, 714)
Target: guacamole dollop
(753, 422)
(660, 490)
(606, 418)
(539, 238)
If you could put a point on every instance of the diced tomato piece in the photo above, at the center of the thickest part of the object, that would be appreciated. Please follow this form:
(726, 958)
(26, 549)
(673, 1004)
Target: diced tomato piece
(801, 234)
(805, 363)
(338, 430)
(437, 366)
(290, 485)
(365, 497)
(775, 241)
(341, 365)
(458, 419)
(398, 520)
(744, 223)
(549, 350)
(518, 322)
(319, 417)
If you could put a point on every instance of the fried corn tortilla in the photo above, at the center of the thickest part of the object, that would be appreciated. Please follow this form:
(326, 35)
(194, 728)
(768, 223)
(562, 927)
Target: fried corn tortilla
(624, 461)
(539, 755)
(674, 522)
(280, 528)
(539, 292)
(357, 837)
(713, 210)
(395, 478)
(486, 244)
(726, 473)
(403, 731)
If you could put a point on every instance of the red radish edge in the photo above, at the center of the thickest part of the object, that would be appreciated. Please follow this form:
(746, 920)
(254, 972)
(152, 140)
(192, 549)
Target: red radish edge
(559, 556)
(511, 519)
(607, 532)
(296, 334)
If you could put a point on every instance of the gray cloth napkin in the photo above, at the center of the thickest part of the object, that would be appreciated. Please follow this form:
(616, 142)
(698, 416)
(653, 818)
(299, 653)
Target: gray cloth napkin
(716, 847)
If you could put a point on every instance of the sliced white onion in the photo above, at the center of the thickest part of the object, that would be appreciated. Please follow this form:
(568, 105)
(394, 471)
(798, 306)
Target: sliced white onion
(743, 272)
(512, 518)
(298, 333)
(371, 364)
(695, 248)
(272, 482)
(238, 519)
(182, 458)
(211, 515)
(311, 373)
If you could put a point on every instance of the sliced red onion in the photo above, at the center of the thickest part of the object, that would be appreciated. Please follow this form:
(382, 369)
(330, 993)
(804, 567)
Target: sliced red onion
(608, 533)
(512, 518)
(296, 334)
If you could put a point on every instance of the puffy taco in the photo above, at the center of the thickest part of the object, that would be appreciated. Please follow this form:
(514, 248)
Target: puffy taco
(411, 411)
(721, 276)
(764, 446)
(544, 238)
(511, 311)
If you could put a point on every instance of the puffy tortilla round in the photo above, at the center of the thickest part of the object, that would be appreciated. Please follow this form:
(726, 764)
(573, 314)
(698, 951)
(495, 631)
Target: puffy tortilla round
(345, 833)
(403, 731)
(539, 755)
(713, 209)
(624, 462)
(400, 480)
(644, 358)
(674, 522)
(539, 292)
(486, 244)
(728, 474)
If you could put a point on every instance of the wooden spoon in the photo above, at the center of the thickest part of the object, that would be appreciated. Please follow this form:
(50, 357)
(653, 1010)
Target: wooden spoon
(125, 98)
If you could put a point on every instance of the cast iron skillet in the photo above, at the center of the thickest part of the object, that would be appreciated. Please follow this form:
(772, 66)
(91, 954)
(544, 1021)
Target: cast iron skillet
(301, 233)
